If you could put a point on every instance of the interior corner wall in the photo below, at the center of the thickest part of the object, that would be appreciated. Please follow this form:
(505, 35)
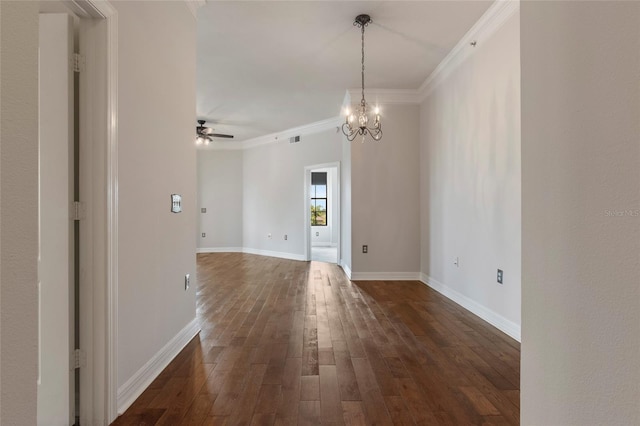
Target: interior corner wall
(385, 195)
(345, 204)
(19, 212)
(273, 195)
(580, 213)
(156, 158)
(470, 177)
(220, 193)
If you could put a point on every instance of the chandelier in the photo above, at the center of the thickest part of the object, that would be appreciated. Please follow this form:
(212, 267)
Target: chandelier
(357, 122)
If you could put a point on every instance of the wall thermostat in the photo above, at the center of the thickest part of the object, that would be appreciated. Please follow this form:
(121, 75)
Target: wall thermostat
(176, 203)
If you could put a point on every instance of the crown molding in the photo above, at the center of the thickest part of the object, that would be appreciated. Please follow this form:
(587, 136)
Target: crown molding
(284, 135)
(194, 5)
(278, 137)
(383, 96)
(497, 14)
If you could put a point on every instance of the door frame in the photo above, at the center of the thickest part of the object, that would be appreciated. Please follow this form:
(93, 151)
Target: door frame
(307, 208)
(99, 217)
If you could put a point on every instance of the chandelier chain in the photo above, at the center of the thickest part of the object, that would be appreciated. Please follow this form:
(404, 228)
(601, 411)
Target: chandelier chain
(363, 64)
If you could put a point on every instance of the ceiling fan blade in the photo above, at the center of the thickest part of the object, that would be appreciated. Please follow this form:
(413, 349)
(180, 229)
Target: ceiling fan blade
(220, 135)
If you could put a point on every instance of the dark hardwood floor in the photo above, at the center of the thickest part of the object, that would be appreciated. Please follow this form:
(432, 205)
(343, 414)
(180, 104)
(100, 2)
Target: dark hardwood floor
(296, 343)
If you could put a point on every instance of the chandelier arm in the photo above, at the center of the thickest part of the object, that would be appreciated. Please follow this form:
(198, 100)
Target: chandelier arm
(349, 132)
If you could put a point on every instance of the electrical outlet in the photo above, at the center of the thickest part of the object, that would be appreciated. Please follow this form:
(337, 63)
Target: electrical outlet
(203, 210)
(285, 237)
(317, 234)
(187, 278)
(365, 249)
(500, 276)
(204, 234)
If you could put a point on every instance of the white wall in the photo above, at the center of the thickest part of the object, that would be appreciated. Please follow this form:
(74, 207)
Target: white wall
(156, 158)
(470, 176)
(220, 192)
(273, 197)
(385, 195)
(19, 212)
(580, 213)
(345, 205)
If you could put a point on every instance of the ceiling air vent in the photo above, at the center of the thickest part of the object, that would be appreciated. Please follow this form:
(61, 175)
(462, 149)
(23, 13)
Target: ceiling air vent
(294, 139)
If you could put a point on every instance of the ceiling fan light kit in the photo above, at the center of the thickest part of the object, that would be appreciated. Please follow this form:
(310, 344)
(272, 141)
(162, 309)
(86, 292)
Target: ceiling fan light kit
(205, 135)
(357, 122)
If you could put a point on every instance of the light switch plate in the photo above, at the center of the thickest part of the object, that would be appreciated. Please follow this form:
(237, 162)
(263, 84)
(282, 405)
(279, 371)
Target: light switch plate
(176, 203)
(203, 210)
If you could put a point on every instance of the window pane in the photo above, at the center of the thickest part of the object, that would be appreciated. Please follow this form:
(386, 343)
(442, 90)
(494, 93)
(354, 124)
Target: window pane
(319, 212)
(321, 191)
(321, 219)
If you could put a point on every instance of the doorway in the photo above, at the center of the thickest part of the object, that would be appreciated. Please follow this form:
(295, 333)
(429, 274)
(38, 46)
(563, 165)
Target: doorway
(322, 206)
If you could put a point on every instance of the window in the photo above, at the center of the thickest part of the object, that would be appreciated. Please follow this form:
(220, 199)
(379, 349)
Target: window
(318, 198)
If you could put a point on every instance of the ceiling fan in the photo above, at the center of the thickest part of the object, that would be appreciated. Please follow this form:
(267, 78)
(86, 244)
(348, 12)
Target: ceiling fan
(205, 135)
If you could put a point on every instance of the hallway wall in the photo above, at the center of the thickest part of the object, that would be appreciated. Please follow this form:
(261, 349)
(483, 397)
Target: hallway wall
(580, 213)
(156, 158)
(470, 188)
(18, 212)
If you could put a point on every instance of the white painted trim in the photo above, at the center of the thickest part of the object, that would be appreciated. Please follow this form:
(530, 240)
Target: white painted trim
(219, 250)
(345, 268)
(112, 214)
(280, 254)
(278, 137)
(194, 5)
(498, 321)
(385, 276)
(283, 136)
(260, 252)
(384, 96)
(495, 16)
(133, 388)
(101, 380)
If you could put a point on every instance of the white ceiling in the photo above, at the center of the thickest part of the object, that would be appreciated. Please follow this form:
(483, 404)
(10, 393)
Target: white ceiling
(266, 66)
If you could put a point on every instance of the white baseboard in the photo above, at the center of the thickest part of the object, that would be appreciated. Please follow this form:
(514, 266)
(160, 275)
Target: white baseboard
(498, 321)
(132, 388)
(219, 250)
(280, 254)
(345, 268)
(385, 276)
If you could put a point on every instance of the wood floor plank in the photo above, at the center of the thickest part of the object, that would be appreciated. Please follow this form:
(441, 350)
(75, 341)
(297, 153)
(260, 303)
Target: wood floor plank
(353, 414)
(284, 342)
(330, 407)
